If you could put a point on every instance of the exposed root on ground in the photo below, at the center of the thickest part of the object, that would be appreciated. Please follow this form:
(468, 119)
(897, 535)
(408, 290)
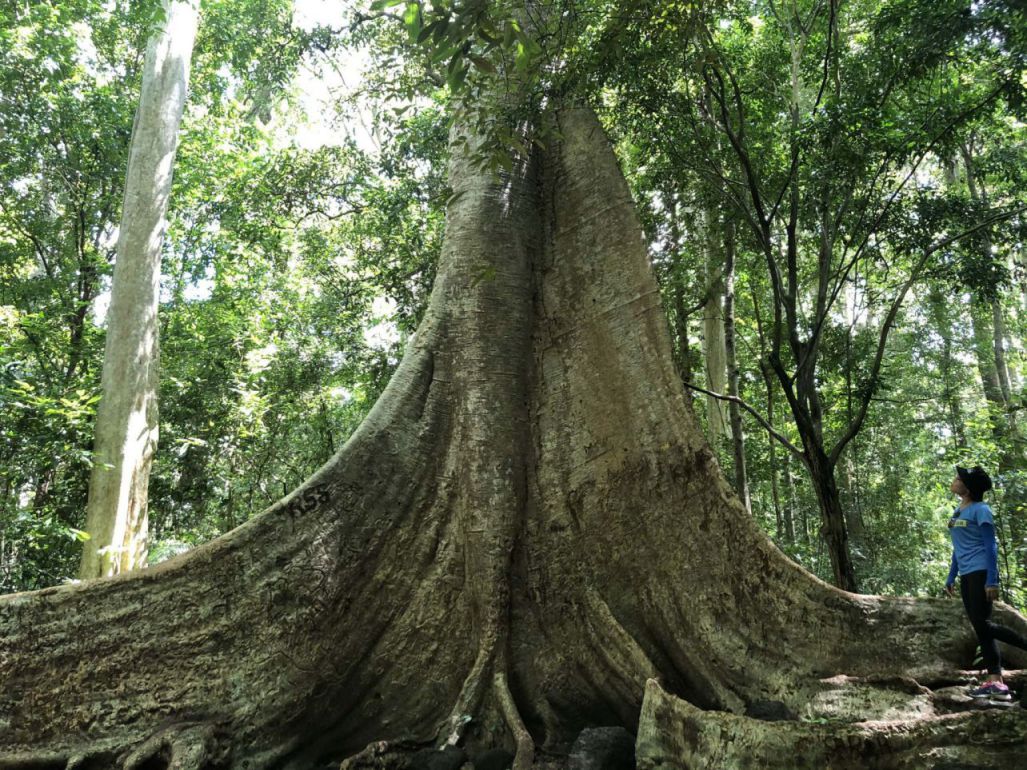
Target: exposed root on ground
(525, 746)
(179, 747)
(470, 699)
(881, 726)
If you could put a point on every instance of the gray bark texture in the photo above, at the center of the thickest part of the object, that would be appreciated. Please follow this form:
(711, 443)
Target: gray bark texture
(126, 420)
(527, 528)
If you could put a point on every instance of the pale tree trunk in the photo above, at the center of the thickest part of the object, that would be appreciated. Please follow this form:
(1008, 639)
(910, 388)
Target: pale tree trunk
(527, 528)
(941, 318)
(998, 326)
(988, 323)
(713, 329)
(683, 352)
(853, 509)
(785, 529)
(989, 346)
(126, 419)
(682, 346)
(782, 515)
(793, 510)
(735, 411)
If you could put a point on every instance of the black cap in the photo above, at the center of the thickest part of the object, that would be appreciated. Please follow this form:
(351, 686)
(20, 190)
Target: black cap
(976, 480)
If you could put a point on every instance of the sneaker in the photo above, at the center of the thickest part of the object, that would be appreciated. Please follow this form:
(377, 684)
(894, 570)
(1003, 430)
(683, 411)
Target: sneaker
(992, 691)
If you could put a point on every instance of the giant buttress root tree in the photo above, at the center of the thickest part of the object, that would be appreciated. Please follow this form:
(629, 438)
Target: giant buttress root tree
(526, 530)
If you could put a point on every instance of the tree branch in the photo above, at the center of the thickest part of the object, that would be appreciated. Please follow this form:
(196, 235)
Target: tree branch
(759, 418)
(857, 423)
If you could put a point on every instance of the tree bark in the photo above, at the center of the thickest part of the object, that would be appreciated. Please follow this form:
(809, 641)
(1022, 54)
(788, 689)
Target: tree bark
(526, 529)
(999, 342)
(126, 418)
(834, 531)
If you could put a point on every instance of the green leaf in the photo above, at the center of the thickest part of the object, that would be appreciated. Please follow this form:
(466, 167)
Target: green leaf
(487, 273)
(482, 63)
(428, 30)
(412, 20)
(521, 58)
(444, 53)
(456, 78)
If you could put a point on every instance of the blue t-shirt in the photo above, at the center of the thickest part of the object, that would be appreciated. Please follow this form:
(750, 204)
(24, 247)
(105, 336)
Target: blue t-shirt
(974, 548)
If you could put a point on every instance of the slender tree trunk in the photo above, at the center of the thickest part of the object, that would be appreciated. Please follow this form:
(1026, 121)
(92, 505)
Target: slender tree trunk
(834, 531)
(794, 509)
(683, 350)
(682, 346)
(989, 346)
(853, 511)
(783, 518)
(713, 328)
(126, 420)
(989, 341)
(998, 325)
(735, 411)
(984, 355)
(808, 412)
(941, 317)
(525, 533)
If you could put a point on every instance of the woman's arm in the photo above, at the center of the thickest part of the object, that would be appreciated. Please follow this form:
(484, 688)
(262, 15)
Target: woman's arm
(991, 553)
(953, 571)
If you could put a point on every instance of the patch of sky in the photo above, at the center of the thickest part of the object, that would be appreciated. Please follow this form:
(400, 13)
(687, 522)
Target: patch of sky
(102, 302)
(322, 84)
(340, 395)
(200, 289)
(383, 334)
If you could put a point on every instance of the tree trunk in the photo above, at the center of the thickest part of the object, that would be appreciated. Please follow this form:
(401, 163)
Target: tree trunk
(941, 317)
(793, 509)
(734, 410)
(989, 342)
(682, 346)
(527, 527)
(999, 343)
(783, 518)
(713, 330)
(126, 419)
(834, 529)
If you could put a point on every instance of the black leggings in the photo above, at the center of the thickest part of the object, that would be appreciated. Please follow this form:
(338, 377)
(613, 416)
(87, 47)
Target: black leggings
(978, 610)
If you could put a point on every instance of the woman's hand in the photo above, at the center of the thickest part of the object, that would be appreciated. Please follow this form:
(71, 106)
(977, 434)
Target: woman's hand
(950, 590)
(992, 593)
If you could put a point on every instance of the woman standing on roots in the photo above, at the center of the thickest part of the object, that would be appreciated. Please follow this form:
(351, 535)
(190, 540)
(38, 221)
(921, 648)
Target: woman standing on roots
(975, 560)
